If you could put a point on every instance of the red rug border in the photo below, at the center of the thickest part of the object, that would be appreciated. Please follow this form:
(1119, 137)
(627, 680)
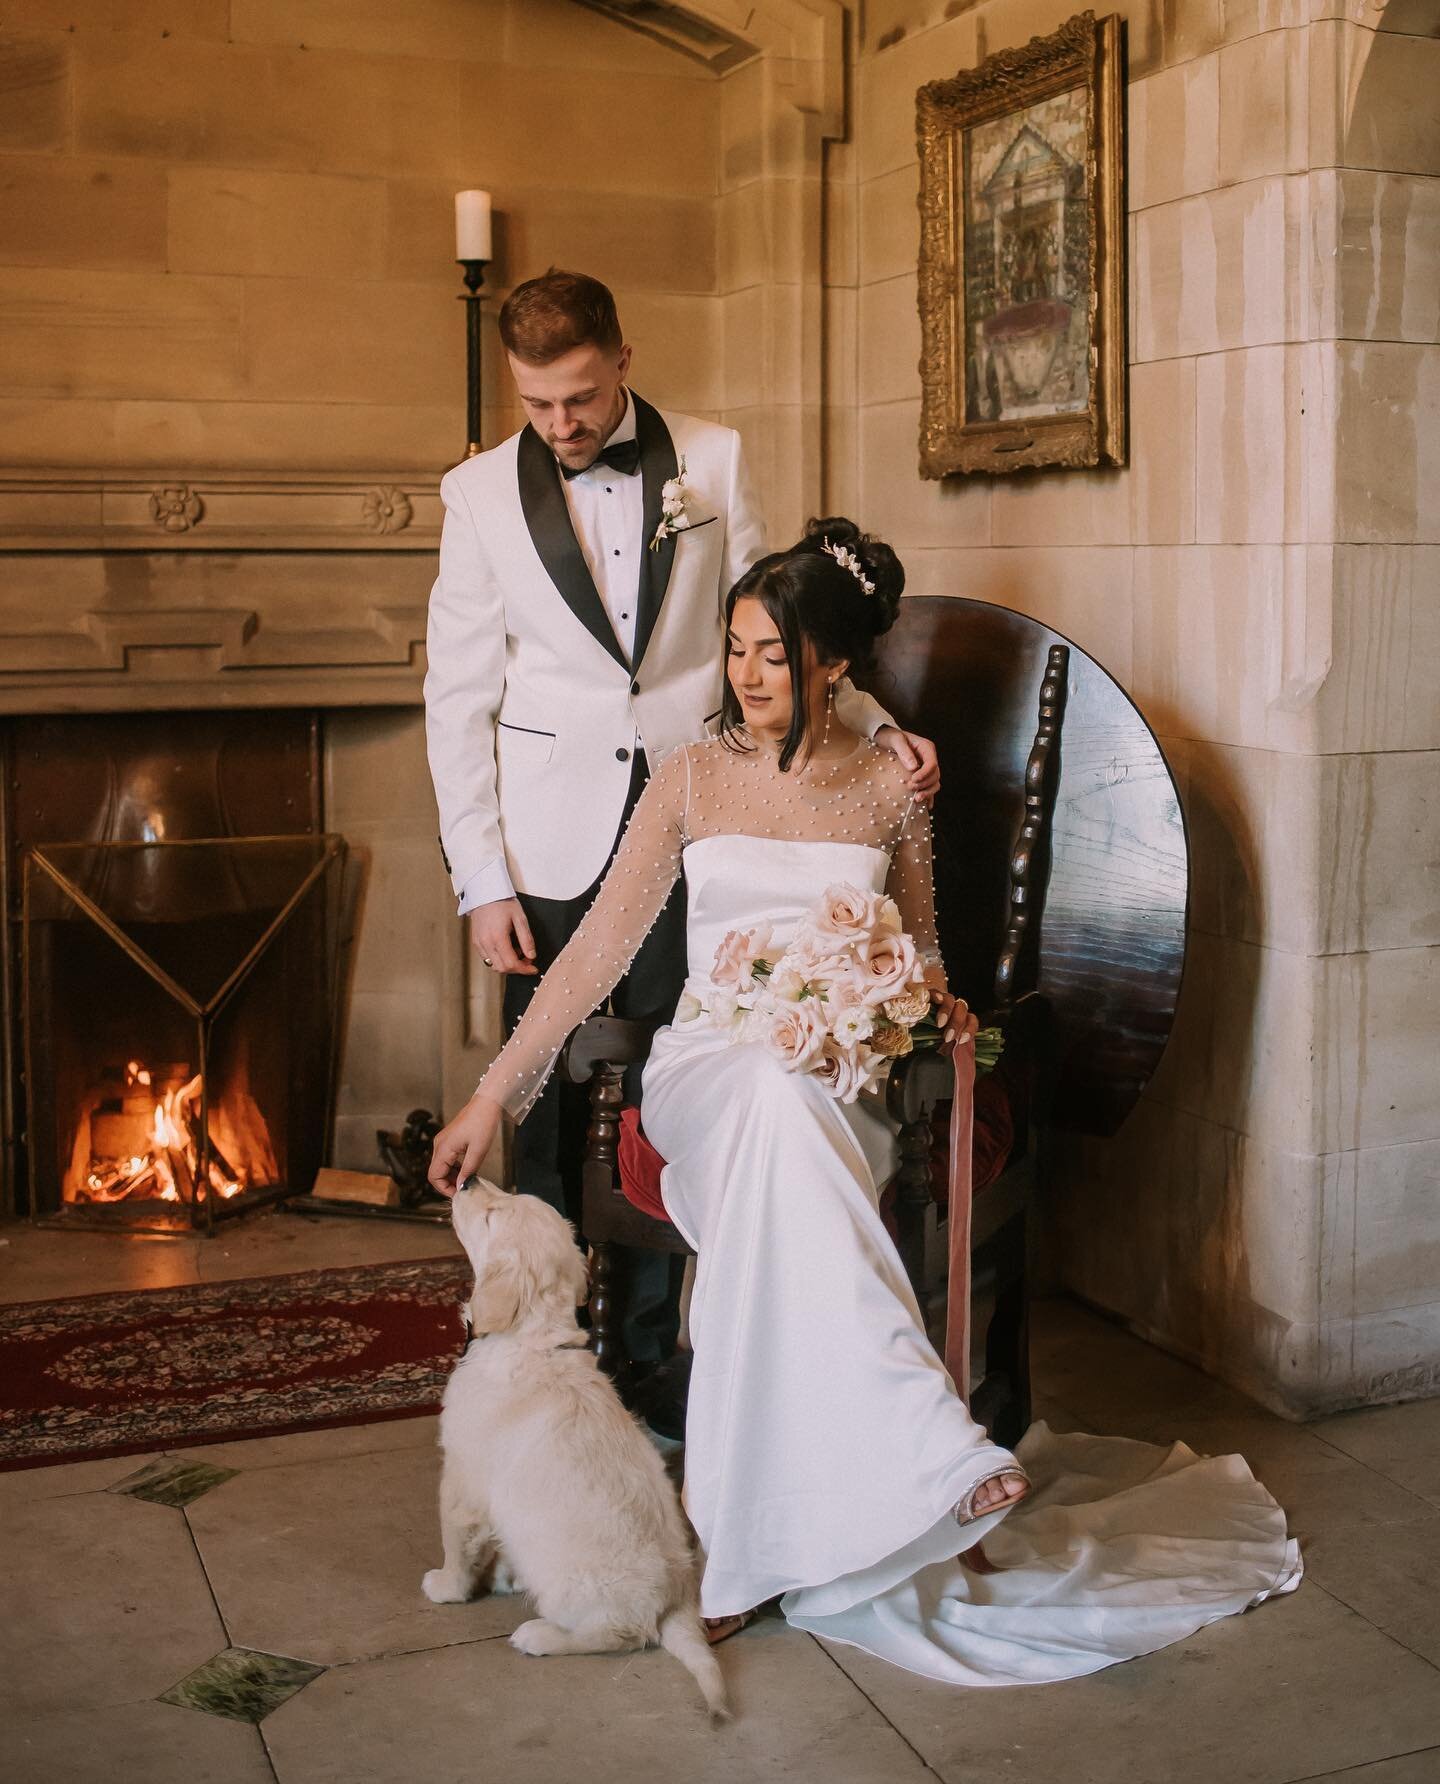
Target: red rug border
(167, 1288)
(236, 1434)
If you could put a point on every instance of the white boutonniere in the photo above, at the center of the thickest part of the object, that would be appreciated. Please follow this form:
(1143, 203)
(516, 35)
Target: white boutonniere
(675, 516)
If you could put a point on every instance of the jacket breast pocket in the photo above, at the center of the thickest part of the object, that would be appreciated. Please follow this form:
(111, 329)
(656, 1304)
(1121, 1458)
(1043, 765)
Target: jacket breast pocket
(523, 746)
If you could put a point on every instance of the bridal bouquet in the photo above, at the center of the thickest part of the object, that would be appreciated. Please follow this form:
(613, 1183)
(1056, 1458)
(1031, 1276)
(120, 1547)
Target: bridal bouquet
(846, 996)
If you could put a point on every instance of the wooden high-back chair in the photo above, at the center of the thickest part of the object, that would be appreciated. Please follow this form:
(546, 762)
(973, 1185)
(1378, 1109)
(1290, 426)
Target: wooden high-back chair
(1061, 878)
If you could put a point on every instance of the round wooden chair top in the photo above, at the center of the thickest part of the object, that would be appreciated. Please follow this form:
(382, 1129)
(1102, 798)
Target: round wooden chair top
(1106, 940)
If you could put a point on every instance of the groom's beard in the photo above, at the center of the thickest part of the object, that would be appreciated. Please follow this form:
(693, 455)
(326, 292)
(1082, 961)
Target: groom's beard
(581, 447)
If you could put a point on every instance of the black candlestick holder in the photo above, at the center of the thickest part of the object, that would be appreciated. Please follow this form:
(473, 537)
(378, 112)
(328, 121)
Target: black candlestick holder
(474, 278)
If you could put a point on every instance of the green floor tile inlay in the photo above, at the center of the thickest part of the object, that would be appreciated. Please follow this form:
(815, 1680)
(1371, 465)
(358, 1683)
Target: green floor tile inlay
(173, 1483)
(241, 1684)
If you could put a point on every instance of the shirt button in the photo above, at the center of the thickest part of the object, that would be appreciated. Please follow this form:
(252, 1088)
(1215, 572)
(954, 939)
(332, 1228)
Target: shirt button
(617, 551)
(608, 490)
(622, 755)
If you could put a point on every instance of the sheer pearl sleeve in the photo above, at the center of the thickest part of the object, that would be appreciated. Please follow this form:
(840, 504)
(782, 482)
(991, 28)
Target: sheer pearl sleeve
(912, 885)
(631, 897)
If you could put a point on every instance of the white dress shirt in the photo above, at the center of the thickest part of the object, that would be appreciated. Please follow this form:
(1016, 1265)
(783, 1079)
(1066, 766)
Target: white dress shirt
(607, 511)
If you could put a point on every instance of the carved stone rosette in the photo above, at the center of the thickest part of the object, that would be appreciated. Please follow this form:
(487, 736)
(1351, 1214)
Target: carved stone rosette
(175, 507)
(1019, 271)
(387, 510)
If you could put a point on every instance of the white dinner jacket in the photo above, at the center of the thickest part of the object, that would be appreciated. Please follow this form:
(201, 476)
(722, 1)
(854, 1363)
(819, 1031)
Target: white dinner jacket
(531, 707)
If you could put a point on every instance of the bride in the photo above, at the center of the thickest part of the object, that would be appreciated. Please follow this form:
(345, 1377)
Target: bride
(828, 1456)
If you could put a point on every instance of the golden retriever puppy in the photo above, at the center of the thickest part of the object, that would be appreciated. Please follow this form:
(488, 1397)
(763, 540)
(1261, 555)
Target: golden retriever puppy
(549, 1486)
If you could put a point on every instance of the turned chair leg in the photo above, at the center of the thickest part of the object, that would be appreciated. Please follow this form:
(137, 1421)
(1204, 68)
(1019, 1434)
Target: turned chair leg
(607, 1315)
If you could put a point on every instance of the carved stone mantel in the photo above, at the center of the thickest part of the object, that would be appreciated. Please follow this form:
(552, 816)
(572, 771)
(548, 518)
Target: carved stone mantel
(218, 511)
(213, 589)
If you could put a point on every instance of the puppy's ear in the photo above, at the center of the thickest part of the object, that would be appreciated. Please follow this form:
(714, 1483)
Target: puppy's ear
(581, 1278)
(495, 1304)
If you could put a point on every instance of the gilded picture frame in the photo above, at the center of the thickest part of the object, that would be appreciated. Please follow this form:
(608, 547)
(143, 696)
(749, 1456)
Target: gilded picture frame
(1022, 257)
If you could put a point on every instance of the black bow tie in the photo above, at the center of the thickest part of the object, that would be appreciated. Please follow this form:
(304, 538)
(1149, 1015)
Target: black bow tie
(623, 456)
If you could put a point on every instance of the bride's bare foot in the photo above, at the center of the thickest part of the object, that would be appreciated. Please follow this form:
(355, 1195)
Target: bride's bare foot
(719, 1629)
(990, 1495)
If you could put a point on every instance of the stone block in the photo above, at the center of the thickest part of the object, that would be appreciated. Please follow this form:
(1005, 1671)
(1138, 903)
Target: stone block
(1394, 122)
(677, 348)
(889, 338)
(1387, 471)
(890, 224)
(889, 80)
(68, 211)
(1174, 133)
(648, 136)
(746, 357)
(666, 245)
(61, 335)
(742, 130)
(275, 224)
(325, 339)
(230, 104)
(1161, 477)
(1061, 507)
(178, 18)
(35, 77)
(841, 231)
(558, 34)
(1395, 1258)
(1205, 640)
(1220, 270)
(1251, 472)
(1379, 694)
(1263, 106)
(744, 234)
(1082, 592)
(840, 488)
(909, 510)
(1380, 233)
(841, 347)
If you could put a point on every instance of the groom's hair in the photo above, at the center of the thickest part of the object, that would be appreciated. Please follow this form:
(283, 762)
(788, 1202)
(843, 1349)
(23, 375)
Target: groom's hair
(548, 316)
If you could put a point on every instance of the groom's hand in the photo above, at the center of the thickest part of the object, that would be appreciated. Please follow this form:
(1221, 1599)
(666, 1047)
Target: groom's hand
(915, 753)
(503, 937)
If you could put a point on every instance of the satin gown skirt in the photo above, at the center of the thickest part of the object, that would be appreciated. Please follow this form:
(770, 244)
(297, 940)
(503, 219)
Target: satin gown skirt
(826, 1446)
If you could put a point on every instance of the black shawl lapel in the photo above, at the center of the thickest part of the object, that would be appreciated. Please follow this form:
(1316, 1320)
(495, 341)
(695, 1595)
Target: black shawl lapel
(548, 517)
(658, 465)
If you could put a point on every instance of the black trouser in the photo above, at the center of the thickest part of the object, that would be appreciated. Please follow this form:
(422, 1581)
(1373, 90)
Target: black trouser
(550, 1142)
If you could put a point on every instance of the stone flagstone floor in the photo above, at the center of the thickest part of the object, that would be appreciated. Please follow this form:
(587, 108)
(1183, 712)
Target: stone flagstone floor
(250, 1613)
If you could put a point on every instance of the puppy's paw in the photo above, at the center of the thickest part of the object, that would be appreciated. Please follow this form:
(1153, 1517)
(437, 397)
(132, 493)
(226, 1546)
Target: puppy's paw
(534, 1637)
(503, 1582)
(441, 1587)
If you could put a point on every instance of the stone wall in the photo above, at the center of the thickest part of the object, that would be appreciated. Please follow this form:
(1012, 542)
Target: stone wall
(227, 234)
(1263, 578)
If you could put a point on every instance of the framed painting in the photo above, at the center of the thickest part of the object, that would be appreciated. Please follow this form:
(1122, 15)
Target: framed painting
(1022, 257)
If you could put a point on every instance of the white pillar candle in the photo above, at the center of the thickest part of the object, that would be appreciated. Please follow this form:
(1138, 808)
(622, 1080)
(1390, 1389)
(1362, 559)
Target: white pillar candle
(472, 226)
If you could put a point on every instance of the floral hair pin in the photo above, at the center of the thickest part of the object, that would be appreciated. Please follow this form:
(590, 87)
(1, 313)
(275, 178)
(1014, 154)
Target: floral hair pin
(848, 560)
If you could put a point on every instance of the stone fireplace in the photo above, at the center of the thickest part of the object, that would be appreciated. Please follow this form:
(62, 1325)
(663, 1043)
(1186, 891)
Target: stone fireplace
(229, 951)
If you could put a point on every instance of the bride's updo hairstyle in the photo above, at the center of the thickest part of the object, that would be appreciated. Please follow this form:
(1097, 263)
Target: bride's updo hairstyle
(817, 599)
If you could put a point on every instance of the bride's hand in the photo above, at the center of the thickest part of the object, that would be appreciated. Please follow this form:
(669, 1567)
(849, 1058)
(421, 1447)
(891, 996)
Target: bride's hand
(461, 1145)
(953, 1016)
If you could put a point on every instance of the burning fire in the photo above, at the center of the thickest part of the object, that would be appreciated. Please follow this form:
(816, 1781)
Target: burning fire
(168, 1168)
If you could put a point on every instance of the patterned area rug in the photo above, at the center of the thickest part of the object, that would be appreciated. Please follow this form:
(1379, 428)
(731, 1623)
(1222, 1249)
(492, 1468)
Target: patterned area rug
(112, 1375)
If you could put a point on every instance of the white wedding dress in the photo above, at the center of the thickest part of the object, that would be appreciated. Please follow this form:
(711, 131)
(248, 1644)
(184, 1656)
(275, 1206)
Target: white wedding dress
(826, 1447)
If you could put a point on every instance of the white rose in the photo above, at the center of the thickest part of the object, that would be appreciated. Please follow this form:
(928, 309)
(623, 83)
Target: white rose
(724, 1008)
(689, 1007)
(786, 984)
(853, 1024)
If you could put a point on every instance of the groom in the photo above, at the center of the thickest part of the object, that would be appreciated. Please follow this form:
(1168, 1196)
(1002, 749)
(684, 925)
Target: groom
(575, 638)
